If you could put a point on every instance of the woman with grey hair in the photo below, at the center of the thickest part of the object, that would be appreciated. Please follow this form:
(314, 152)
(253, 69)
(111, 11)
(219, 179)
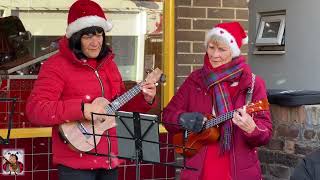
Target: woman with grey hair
(221, 86)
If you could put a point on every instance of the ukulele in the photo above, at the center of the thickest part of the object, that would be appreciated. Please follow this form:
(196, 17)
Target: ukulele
(79, 134)
(210, 132)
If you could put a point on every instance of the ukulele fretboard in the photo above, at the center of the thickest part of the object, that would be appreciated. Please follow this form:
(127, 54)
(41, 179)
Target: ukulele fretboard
(123, 99)
(215, 121)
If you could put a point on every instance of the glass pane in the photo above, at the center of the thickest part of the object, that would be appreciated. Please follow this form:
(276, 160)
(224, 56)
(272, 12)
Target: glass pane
(124, 48)
(271, 29)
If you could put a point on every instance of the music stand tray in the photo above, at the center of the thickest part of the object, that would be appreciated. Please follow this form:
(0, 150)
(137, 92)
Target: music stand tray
(137, 131)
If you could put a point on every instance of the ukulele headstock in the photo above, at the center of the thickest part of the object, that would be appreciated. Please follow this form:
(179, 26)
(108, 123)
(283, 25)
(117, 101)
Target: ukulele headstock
(155, 76)
(261, 105)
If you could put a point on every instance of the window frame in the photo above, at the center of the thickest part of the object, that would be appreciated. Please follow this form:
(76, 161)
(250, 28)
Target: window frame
(260, 41)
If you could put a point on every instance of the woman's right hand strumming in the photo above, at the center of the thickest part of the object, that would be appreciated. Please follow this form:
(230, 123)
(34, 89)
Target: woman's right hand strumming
(98, 106)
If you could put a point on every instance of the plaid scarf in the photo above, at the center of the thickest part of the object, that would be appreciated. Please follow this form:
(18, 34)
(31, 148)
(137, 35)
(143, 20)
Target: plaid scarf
(217, 80)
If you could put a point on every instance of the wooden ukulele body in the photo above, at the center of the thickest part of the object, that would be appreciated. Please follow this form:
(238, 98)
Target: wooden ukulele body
(195, 141)
(72, 132)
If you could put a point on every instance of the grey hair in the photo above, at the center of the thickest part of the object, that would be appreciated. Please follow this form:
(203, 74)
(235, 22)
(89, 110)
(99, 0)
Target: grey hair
(214, 38)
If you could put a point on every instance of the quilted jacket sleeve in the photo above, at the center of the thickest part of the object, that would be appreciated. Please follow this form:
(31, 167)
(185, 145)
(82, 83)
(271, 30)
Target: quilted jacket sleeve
(44, 106)
(176, 106)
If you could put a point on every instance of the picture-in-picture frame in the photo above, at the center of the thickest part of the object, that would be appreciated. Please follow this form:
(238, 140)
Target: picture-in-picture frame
(271, 30)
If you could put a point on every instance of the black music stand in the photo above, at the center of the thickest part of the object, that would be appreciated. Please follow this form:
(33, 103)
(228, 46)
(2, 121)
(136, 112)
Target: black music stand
(138, 139)
(13, 101)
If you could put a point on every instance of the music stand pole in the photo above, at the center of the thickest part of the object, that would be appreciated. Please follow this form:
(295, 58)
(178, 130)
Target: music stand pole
(138, 143)
(137, 165)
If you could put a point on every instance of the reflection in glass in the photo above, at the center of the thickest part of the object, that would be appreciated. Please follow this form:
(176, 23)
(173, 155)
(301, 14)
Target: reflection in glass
(271, 29)
(125, 48)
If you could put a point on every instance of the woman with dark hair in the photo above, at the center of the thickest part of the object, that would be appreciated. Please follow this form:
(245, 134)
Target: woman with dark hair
(225, 83)
(79, 80)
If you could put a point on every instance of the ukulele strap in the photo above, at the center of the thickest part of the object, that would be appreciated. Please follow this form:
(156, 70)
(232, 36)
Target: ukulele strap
(250, 90)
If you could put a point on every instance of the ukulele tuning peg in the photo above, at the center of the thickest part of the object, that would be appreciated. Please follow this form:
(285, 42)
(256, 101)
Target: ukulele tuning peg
(162, 78)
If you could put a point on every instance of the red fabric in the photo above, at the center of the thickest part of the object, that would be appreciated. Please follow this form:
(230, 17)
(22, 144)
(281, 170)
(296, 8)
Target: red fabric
(82, 8)
(63, 83)
(92, 62)
(235, 29)
(216, 166)
(193, 96)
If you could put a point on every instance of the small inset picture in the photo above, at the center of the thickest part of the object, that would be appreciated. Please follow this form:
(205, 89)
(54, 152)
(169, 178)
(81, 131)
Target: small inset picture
(12, 162)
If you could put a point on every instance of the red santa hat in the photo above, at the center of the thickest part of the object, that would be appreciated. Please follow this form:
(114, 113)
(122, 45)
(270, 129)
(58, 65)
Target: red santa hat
(86, 13)
(231, 33)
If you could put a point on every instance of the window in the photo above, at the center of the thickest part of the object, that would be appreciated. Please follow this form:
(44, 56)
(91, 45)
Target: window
(270, 37)
(125, 49)
(271, 30)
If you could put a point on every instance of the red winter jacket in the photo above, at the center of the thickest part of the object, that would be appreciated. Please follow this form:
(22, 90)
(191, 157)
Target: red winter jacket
(63, 83)
(193, 96)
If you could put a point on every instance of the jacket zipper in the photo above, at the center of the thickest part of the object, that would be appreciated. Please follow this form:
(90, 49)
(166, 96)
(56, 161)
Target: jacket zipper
(100, 82)
(107, 132)
(102, 91)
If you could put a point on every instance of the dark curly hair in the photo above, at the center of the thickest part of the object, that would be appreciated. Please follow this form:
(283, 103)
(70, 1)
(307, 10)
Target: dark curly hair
(75, 42)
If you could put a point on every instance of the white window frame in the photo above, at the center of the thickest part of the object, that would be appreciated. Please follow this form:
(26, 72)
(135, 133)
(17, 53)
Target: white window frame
(260, 41)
